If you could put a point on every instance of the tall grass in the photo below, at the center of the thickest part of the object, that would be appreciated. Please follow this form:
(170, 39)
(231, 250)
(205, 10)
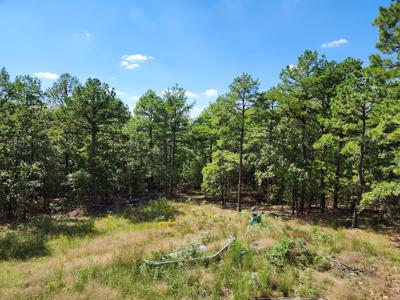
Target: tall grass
(107, 260)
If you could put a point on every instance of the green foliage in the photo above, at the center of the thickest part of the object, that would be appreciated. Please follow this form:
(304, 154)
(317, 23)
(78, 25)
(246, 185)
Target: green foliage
(22, 245)
(382, 193)
(321, 263)
(79, 182)
(327, 130)
(292, 252)
(219, 175)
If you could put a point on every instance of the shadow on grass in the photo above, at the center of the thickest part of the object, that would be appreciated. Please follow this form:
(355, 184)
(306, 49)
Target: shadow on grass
(153, 211)
(65, 226)
(22, 245)
(30, 240)
(333, 218)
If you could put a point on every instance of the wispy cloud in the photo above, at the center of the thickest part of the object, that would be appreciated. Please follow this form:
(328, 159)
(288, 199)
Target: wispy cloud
(335, 43)
(191, 94)
(211, 93)
(133, 61)
(46, 75)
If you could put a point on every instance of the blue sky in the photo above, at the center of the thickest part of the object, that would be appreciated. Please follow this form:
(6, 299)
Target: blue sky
(201, 45)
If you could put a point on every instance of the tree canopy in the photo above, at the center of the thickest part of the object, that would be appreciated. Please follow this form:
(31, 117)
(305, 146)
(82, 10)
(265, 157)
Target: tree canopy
(327, 135)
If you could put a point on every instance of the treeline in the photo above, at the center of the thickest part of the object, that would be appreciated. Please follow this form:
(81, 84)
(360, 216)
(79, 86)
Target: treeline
(328, 133)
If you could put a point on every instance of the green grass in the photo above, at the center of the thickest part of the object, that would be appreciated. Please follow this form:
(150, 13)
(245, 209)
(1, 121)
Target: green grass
(102, 257)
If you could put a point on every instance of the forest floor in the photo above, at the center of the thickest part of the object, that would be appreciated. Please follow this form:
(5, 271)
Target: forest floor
(102, 257)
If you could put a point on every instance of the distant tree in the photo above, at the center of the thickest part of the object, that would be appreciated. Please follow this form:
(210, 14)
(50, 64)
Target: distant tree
(61, 90)
(219, 175)
(385, 68)
(355, 107)
(244, 89)
(148, 115)
(176, 124)
(95, 110)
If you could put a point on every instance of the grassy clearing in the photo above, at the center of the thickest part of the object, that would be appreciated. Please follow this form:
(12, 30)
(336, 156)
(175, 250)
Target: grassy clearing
(102, 258)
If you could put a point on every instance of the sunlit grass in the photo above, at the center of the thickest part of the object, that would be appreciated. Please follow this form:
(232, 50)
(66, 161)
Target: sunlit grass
(102, 257)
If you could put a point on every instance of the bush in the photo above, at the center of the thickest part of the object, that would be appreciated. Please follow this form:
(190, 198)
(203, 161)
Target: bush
(287, 251)
(321, 263)
(22, 245)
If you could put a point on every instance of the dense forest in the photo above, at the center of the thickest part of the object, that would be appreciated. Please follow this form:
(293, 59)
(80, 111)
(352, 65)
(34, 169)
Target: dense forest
(328, 135)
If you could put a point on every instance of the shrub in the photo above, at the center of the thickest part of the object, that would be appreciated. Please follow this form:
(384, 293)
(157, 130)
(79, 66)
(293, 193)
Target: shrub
(321, 263)
(287, 251)
(22, 245)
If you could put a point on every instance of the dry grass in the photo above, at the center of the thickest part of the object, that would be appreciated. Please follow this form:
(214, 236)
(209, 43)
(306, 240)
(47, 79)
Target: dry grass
(76, 270)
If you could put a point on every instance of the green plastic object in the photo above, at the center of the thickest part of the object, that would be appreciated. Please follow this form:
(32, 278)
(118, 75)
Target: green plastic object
(255, 219)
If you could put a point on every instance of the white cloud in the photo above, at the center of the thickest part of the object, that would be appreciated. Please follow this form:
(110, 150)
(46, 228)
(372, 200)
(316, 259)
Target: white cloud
(211, 93)
(137, 58)
(291, 67)
(128, 65)
(336, 43)
(190, 94)
(133, 61)
(46, 75)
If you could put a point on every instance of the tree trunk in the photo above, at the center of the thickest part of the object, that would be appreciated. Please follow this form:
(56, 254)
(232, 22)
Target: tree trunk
(323, 194)
(150, 184)
(294, 199)
(166, 167)
(66, 163)
(337, 173)
(267, 191)
(92, 165)
(10, 210)
(173, 163)
(304, 162)
(361, 179)
(221, 186)
(239, 192)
